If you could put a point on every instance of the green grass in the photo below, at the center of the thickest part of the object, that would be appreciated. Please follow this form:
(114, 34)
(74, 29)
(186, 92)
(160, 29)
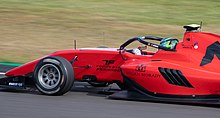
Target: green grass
(33, 28)
(10, 64)
(146, 11)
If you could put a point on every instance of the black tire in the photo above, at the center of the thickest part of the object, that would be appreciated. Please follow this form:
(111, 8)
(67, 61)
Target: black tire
(53, 76)
(99, 84)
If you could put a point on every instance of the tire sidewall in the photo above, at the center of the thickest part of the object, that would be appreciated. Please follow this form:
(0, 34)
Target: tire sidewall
(63, 79)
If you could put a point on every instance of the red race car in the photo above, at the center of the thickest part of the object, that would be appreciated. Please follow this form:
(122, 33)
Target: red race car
(186, 71)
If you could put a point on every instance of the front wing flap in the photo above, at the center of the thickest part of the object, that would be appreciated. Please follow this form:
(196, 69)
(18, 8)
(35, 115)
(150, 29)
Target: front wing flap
(12, 82)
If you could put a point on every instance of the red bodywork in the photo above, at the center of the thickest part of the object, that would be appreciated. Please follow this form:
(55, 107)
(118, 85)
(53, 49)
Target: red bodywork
(111, 64)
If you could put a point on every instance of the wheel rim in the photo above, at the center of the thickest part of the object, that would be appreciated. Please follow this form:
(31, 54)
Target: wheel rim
(49, 76)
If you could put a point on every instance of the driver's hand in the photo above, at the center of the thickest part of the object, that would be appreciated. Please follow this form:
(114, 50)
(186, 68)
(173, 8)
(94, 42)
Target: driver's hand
(142, 47)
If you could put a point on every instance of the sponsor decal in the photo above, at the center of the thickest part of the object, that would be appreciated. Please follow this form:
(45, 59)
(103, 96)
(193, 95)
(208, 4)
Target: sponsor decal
(141, 68)
(108, 62)
(195, 45)
(153, 45)
(108, 66)
(143, 74)
(187, 46)
(151, 75)
(15, 84)
(211, 50)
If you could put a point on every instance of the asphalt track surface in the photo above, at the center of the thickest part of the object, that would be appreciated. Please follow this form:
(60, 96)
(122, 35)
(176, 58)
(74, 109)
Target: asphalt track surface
(84, 101)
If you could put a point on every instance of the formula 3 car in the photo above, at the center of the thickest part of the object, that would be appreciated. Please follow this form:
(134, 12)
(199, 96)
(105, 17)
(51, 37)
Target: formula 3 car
(186, 71)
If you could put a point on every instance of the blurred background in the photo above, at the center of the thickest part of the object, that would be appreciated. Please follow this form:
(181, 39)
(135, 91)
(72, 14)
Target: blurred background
(30, 29)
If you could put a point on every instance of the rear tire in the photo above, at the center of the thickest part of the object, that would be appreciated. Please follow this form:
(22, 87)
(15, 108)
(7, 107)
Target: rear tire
(53, 76)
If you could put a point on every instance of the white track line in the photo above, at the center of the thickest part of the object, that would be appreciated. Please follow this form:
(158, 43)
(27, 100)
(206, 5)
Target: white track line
(2, 73)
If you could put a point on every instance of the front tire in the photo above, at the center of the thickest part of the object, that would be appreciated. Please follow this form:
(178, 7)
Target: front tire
(53, 76)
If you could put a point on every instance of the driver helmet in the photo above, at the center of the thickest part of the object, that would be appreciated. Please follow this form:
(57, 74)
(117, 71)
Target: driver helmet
(168, 43)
